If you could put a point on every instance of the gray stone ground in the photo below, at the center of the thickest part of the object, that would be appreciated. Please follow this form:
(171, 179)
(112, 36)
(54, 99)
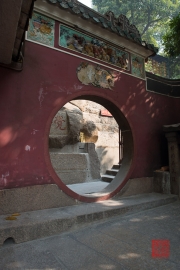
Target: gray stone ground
(122, 242)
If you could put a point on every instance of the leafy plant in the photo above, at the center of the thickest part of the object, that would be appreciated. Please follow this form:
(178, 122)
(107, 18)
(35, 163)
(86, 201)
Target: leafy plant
(171, 40)
(149, 16)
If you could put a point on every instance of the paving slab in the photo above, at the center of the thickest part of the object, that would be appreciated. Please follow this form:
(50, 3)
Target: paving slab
(121, 242)
(87, 188)
(42, 223)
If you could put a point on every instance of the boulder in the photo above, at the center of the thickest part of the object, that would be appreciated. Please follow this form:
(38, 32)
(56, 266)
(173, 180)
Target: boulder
(84, 116)
(65, 127)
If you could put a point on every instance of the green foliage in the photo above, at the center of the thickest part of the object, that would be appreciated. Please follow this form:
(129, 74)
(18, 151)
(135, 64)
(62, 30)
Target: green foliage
(171, 40)
(157, 21)
(149, 16)
(174, 67)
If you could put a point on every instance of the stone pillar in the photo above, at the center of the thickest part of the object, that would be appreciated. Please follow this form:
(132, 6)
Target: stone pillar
(174, 162)
(161, 182)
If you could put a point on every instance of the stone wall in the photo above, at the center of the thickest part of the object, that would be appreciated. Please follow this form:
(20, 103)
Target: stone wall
(76, 163)
(30, 100)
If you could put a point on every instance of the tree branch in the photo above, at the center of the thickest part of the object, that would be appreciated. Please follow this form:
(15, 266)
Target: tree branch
(148, 25)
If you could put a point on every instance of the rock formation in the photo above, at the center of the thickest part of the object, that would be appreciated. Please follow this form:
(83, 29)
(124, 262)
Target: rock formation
(83, 117)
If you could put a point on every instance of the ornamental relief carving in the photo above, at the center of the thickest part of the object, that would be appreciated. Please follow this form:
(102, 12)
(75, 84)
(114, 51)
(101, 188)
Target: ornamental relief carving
(95, 75)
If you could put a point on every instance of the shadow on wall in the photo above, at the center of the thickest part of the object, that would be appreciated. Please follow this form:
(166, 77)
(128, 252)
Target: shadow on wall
(150, 111)
(107, 157)
(149, 102)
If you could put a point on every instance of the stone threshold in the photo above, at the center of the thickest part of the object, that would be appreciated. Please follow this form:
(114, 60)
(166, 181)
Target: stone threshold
(43, 223)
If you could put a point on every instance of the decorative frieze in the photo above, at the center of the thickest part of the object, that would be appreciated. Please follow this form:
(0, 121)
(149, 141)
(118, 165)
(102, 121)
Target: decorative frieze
(95, 75)
(81, 43)
(41, 29)
(137, 66)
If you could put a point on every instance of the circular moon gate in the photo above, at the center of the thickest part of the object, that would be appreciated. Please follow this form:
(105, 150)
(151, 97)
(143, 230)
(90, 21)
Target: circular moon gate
(126, 166)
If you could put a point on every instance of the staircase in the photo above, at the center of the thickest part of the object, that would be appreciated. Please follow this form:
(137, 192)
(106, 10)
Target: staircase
(110, 174)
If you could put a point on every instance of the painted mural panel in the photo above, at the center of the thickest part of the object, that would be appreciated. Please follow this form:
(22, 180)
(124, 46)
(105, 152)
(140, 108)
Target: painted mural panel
(137, 66)
(41, 29)
(77, 41)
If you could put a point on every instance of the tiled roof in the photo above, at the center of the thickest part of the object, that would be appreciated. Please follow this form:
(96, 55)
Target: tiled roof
(108, 21)
(26, 12)
(15, 24)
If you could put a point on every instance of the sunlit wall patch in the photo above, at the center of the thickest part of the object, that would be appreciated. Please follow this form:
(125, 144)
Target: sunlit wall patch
(81, 43)
(137, 66)
(41, 29)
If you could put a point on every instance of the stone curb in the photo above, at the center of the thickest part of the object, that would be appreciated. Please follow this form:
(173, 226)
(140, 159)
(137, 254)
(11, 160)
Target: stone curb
(43, 223)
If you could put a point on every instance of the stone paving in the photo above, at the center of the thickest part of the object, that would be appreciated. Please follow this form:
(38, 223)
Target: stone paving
(122, 242)
(87, 188)
(32, 225)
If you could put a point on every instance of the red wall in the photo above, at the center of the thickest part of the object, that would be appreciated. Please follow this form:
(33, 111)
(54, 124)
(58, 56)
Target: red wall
(29, 100)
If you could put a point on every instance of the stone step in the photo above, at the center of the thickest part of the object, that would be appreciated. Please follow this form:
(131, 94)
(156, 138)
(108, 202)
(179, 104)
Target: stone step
(107, 178)
(116, 166)
(43, 223)
(112, 172)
